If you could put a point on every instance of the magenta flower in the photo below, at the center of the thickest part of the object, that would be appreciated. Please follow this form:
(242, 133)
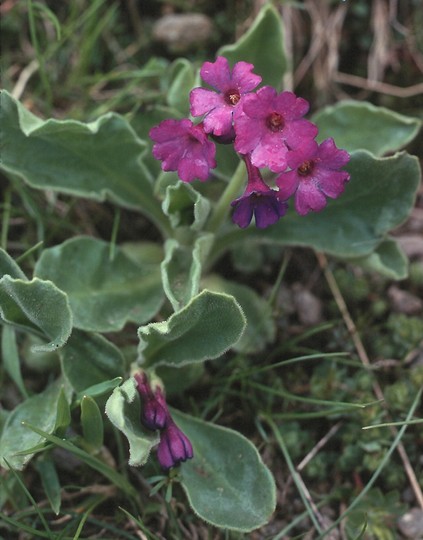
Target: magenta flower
(174, 446)
(230, 86)
(184, 147)
(271, 124)
(153, 414)
(265, 203)
(315, 175)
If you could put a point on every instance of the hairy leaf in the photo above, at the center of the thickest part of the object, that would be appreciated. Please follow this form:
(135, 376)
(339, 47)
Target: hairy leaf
(226, 482)
(359, 125)
(36, 306)
(108, 292)
(204, 329)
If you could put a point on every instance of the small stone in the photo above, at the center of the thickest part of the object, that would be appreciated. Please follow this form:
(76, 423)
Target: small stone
(411, 524)
(403, 301)
(308, 306)
(181, 31)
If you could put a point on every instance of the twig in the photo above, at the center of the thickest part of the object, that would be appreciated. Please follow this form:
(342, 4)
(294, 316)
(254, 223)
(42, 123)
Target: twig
(318, 446)
(24, 77)
(377, 86)
(361, 351)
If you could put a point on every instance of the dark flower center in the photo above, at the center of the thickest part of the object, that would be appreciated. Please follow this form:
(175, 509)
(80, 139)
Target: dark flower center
(275, 122)
(232, 96)
(305, 168)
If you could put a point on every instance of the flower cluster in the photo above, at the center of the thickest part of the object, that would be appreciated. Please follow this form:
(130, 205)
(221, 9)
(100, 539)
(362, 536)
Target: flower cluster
(174, 446)
(268, 130)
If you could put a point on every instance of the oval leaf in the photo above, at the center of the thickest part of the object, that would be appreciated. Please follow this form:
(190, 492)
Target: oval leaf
(123, 410)
(108, 293)
(260, 329)
(97, 160)
(263, 46)
(388, 259)
(182, 80)
(226, 482)
(182, 267)
(89, 359)
(41, 410)
(36, 306)
(92, 423)
(206, 328)
(379, 197)
(359, 125)
(185, 206)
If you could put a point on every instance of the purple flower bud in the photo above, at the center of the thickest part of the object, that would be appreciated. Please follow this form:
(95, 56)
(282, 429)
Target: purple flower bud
(259, 199)
(153, 415)
(174, 446)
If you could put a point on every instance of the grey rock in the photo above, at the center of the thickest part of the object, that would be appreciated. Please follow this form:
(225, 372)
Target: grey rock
(411, 524)
(181, 31)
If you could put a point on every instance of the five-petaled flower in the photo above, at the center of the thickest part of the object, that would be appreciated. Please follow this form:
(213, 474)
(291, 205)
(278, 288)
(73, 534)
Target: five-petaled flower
(271, 124)
(174, 446)
(184, 147)
(315, 175)
(231, 85)
(268, 130)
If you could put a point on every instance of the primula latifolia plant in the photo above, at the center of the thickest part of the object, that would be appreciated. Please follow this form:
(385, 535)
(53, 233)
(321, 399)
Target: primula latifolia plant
(247, 153)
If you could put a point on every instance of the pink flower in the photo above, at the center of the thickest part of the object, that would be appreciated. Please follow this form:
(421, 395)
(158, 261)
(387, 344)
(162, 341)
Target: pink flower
(265, 203)
(185, 148)
(315, 175)
(174, 446)
(231, 86)
(270, 125)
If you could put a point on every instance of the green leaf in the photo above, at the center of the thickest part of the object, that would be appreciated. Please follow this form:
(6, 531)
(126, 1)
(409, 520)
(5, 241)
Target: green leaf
(108, 293)
(204, 329)
(36, 306)
(183, 80)
(356, 125)
(260, 329)
(8, 266)
(99, 160)
(185, 206)
(89, 359)
(10, 358)
(226, 482)
(40, 409)
(123, 410)
(50, 481)
(379, 197)
(388, 259)
(97, 390)
(63, 414)
(263, 46)
(92, 423)
(181, 269)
